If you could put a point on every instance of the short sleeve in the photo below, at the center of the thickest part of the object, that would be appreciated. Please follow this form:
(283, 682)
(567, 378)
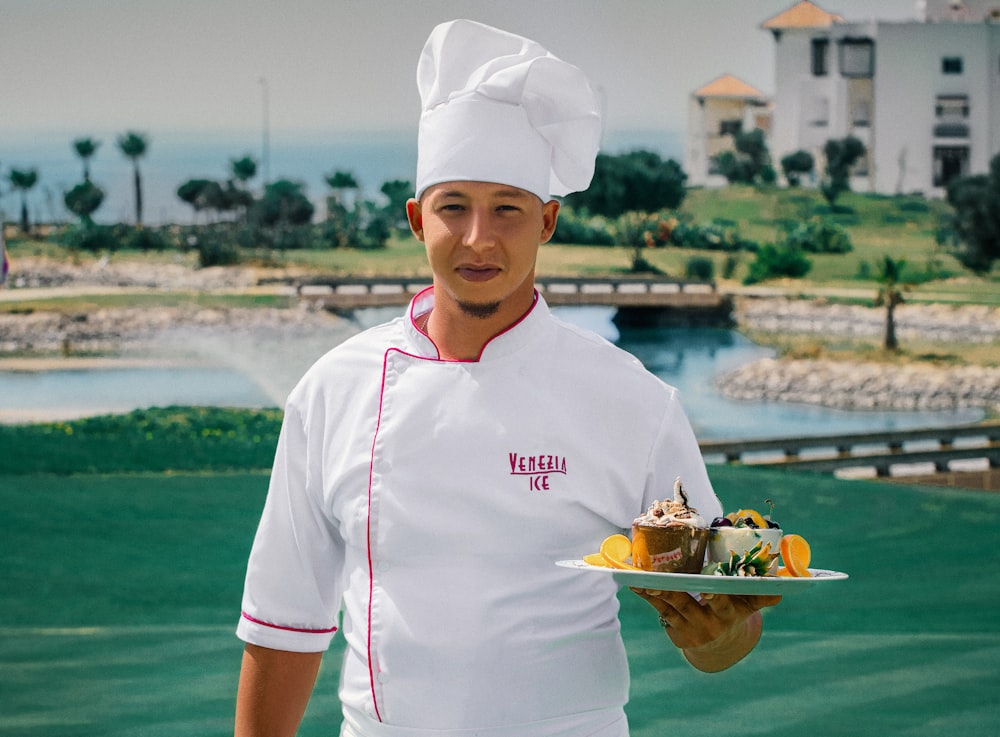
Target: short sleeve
(293, 583)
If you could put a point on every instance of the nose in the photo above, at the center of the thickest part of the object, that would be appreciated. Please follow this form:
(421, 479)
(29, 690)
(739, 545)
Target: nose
(480, 234)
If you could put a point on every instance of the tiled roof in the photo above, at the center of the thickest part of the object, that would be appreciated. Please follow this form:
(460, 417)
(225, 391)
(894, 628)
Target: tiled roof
(802, 15)
(728, 86)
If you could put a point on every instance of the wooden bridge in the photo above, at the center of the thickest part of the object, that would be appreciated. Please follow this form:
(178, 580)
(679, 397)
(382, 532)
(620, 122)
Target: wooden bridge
(883, 454)
(641, 300)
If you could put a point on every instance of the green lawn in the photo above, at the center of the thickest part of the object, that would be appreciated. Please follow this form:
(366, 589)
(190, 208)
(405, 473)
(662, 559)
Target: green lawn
(121, 593)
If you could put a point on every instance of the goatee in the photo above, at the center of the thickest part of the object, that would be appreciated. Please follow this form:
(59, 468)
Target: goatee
(481, 310)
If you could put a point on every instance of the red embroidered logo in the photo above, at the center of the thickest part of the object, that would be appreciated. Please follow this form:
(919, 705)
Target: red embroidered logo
(536, 468)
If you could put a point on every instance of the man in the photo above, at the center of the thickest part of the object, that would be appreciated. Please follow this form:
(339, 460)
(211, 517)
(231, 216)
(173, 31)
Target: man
(432, 470)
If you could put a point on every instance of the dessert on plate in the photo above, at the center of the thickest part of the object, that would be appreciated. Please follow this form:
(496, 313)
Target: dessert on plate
(671, 536)
(739, 533)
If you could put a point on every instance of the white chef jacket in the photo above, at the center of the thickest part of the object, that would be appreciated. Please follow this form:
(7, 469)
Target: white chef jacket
(427, 501)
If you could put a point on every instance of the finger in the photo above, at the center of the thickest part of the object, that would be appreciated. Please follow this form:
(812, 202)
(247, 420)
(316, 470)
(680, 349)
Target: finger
(653, 598)
(722, 606)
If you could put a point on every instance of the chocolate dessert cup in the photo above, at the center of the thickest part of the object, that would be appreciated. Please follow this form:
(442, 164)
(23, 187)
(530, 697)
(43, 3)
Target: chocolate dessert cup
(671, 549)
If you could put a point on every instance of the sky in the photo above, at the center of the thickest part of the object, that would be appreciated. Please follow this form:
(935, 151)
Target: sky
(320, 69)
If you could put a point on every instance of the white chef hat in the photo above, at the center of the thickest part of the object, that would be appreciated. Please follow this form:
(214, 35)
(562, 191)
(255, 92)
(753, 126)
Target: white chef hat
(497, 107)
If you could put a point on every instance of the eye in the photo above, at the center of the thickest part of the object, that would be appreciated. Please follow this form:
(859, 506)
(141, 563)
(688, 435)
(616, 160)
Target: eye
(508, 208)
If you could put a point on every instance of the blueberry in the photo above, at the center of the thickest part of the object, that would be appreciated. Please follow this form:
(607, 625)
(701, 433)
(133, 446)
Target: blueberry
(773, 525)
(721, 522)
(748, 521)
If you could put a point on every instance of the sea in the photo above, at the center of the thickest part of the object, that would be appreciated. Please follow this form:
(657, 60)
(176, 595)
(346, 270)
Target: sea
(173, 157)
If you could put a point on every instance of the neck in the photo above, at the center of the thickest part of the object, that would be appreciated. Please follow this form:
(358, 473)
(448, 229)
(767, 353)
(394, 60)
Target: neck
(460, 336)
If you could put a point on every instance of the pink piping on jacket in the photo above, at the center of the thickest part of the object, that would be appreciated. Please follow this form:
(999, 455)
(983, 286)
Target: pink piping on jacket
(371, 472)
(287, 629)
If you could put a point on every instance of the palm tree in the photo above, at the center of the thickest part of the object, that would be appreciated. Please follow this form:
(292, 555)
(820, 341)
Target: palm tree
(890, 294)
(86, 148)
(134, 146)
(243, 169)
(23, 180)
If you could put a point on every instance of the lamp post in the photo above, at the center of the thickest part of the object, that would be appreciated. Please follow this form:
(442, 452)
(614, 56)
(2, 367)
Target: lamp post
(265, 158)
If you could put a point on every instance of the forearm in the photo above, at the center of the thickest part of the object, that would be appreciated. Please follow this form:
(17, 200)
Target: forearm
(274, 690)
(727, 649)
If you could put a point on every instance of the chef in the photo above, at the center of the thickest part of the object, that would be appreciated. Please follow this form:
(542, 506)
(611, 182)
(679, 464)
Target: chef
(430, 471)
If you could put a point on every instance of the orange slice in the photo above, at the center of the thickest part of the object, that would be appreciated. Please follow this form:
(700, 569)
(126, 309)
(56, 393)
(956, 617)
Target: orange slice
(615, 549)
(796, 554)
(596, 559)
(757, 518)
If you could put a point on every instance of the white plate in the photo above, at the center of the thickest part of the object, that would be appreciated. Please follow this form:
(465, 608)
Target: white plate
(696, 583)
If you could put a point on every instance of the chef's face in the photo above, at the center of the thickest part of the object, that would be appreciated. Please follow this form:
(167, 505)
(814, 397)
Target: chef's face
(482, 240)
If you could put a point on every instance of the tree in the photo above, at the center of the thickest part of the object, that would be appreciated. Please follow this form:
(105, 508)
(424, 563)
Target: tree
(284, 202)
(134, 146)
(795, 164)
(342, 182)
(202, 194)
(23, 180)
(397, 192)
(637, 181)
(83, 200)
(841, 154)
(890, 294)
(976, 218)
(750, 163)
(86, 148)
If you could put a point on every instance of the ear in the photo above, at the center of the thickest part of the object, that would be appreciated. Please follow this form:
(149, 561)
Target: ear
(550, 215)
(414, 215)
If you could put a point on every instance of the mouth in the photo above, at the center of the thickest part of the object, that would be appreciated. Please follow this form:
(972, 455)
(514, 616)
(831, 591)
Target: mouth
(477, 273)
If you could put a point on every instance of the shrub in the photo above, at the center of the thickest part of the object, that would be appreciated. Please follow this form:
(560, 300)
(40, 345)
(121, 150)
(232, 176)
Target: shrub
(701, 268)
(729, 266)
(95, 238)
(774, 261)
(148, 239)
(716, 236)
(819, 235)
(214, 248)
(582, 231)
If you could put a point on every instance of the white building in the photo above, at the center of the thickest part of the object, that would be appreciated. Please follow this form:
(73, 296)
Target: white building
(923, 95)
(718, 111)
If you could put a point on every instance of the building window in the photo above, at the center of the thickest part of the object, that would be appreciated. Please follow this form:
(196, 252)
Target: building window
(861, 114)
(820, 52)
(951, 65)
(730, 127)
(950, 162)
(951, 116)
(857, 57)
(952, 106)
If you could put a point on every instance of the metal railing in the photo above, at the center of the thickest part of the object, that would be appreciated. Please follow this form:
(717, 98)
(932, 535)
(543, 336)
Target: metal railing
(940, 447)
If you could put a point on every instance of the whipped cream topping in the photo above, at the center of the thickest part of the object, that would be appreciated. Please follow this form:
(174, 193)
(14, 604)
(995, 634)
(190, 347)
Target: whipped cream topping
(673, 513)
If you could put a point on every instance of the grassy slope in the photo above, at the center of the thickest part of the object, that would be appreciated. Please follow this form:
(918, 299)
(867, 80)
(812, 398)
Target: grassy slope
(121, 593)
(901, 227)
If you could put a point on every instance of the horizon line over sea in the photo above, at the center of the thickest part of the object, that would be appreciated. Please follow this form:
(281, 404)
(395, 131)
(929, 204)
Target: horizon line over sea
(173, 157)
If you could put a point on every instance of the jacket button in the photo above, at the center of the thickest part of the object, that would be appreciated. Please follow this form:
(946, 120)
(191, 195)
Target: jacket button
(383, 677)
(383, 565)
